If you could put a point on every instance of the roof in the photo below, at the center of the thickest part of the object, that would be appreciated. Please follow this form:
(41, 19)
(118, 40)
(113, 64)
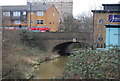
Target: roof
(104, 11)
(111, 4)
(113, 8)
(35, 7)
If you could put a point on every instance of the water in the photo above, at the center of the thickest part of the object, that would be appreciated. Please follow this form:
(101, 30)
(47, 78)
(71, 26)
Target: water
(51, 69)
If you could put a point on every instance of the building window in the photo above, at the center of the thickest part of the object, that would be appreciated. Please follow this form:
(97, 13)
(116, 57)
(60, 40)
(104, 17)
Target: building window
(52, 22)
(39, 21)
(98, 45)
(6, 13)
(40, 13)
(24, 17)
(25, 21)
(101, 45)
(100, 39)
(31, 21)
(16, 13)
(24, 13)
(101, 21)
(16, 22)
(55, 0)
(7, 22)
(53, 14)
(104, 45)
(31, 13)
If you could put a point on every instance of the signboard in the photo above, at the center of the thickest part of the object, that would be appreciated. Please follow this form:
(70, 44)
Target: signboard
(114, 18)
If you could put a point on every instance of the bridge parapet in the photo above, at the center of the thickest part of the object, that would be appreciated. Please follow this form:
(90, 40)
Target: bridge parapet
(86, 37)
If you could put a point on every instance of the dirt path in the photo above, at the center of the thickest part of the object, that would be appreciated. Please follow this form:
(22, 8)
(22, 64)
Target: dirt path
(26, 60)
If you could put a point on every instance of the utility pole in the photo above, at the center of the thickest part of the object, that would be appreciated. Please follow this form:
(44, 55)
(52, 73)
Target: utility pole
(30, 15)
(29, 3)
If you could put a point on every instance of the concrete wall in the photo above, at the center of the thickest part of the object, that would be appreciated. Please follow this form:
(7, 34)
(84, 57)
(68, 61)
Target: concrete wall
(50, 40)
(65, 36)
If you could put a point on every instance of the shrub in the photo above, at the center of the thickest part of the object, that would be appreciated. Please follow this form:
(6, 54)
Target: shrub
(27, 37)
(30, 39)
(93, 64)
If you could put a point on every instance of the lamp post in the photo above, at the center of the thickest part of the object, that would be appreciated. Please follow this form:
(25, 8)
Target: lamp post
(30, 12)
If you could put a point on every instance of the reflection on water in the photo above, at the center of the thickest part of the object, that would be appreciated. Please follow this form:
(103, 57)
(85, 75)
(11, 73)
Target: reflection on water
(50, 69)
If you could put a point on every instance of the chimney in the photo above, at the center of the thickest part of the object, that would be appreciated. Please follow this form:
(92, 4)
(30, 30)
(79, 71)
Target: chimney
(44, 3)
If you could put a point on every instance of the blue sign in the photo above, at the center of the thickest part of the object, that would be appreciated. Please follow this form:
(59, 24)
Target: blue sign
(114, 18)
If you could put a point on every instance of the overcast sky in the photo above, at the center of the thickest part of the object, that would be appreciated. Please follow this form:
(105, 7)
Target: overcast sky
(79, 7)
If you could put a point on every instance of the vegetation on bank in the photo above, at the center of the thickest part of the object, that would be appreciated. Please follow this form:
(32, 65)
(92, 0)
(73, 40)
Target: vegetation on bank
(21, 50)
(44, 59)
(93, 64)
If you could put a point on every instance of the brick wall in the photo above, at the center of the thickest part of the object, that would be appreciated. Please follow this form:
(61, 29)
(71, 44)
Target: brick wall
(100, 28)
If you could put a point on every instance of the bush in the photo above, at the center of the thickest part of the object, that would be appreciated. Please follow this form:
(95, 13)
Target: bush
(27, 37)
(30, 39)
(93, 64)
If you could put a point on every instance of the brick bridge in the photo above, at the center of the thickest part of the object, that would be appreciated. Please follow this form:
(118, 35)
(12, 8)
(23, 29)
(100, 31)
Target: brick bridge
(58, 42)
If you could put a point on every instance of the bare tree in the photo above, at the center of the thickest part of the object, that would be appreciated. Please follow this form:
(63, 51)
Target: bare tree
(69, 24)
(5, 20)
(86, 22)
(83, 23)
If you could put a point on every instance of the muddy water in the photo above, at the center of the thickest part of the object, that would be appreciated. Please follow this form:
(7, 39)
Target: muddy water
(51, 69)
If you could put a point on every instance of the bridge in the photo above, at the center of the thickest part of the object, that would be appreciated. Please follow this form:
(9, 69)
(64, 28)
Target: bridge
(52, 42)
(58, 41)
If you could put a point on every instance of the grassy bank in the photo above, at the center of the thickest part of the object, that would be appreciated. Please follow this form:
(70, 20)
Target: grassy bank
(21, 51)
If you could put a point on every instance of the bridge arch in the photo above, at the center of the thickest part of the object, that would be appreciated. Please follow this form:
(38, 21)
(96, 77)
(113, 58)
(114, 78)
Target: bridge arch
(62, 47)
